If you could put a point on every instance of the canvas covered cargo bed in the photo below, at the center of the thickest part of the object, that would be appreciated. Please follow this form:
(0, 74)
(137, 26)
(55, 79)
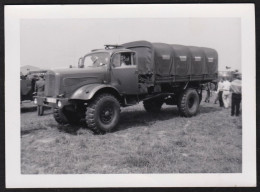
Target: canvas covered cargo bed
(168, 62)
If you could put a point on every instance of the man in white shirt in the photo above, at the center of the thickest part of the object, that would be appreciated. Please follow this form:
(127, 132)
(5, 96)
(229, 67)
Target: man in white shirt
(226, 93)
(220, 92)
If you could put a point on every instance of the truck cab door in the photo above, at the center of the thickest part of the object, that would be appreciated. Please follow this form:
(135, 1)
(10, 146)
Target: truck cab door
(124, 74)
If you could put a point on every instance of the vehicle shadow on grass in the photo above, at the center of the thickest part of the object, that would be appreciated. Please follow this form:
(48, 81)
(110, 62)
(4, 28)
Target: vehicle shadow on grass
(208, 109)
(70, 129)
(130, 119)
(28, 109)
(47, 110)
(29, 131)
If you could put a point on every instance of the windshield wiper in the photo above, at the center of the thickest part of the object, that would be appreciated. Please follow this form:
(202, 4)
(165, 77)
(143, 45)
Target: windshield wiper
(94, 61)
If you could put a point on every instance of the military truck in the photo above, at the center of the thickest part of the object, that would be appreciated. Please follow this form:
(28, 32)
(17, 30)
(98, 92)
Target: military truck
(124, 75)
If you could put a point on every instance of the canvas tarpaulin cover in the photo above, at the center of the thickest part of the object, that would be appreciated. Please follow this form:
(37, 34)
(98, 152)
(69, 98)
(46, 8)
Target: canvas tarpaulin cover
(181, 61)
(144, 51)
(163, 55)
(211, 60)
(197, 61)
(174, 60)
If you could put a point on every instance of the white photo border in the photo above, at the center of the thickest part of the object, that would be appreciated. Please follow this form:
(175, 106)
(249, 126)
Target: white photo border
(13, 15)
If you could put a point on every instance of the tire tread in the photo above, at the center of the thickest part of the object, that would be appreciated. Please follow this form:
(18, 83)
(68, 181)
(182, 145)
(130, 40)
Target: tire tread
(90, 112)
(183, 103)
(59, 116)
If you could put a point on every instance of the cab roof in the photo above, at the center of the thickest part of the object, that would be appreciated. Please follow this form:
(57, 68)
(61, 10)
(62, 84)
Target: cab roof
(110, 51)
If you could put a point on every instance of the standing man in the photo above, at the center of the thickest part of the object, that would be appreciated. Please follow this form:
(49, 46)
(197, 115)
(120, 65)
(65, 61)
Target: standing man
(235, 88)
(226, 93)
(216, 93)
(220, 92)
(39, 88)
(207, 99)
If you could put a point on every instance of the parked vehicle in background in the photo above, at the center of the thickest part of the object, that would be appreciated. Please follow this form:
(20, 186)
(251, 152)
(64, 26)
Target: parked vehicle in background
(121, 76)
(27, 84)
(26, 89)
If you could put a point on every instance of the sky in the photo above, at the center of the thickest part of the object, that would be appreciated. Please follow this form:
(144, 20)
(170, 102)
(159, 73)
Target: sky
(59, 43)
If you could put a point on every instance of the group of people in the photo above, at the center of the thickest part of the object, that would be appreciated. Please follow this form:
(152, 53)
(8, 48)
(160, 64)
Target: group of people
(224, 90)
(37, 83)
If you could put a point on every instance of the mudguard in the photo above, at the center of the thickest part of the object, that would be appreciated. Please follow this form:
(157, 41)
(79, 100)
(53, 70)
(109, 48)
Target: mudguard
(87, 92)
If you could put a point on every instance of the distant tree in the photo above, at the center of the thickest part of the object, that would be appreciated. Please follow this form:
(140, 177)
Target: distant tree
(227, 67)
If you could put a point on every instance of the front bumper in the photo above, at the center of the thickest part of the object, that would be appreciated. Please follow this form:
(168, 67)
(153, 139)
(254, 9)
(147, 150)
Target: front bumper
(51, 101)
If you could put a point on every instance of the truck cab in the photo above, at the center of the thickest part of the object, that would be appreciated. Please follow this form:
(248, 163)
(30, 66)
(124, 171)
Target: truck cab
(120, 68)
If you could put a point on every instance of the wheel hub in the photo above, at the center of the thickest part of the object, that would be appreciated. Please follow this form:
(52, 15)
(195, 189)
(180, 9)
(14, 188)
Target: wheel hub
(107, 115)
(191, 102)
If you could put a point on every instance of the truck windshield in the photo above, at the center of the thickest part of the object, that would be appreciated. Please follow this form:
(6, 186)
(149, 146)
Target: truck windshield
(95, 60)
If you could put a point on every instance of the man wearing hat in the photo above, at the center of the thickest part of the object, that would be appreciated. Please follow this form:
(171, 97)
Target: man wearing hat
(235, 88)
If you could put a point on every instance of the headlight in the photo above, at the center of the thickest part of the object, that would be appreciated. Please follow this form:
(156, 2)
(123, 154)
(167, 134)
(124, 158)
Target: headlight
(59, 104)
(35, 101)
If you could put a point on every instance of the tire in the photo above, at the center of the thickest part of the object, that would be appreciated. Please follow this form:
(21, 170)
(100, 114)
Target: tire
(63, 116)
(102, 114)
(59, 116)
(189, 103)
(153, 105)
(40, 110)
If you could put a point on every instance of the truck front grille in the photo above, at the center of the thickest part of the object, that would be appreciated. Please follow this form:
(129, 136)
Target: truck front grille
(49, 90)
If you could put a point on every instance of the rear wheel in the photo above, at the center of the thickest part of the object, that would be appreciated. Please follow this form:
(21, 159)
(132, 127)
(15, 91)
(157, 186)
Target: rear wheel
(102, 114)
(153, 105)
(189, 103)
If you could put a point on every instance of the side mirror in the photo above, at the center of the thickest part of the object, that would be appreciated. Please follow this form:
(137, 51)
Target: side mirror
(80, 64)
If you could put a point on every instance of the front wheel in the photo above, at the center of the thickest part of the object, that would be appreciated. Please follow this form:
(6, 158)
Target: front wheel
(64, 116)
(102, 114)
(189, 103)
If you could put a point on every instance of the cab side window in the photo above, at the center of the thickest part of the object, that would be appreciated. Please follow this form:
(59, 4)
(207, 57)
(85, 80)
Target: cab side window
(123, 59)
(116, 60)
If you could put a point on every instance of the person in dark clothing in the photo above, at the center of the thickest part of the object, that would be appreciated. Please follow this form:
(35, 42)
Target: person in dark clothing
(39, 89)
(39, 86)
(208, 93)
(34, 79)
(236, 95)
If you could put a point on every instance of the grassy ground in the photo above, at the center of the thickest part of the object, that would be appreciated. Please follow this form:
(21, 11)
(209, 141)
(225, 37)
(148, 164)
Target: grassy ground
(210, 142)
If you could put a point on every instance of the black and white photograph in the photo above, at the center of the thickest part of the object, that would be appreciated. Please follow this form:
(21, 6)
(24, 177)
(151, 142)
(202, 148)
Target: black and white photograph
(130, 96)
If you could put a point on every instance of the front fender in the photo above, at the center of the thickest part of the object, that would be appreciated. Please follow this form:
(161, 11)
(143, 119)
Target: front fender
(87, 92)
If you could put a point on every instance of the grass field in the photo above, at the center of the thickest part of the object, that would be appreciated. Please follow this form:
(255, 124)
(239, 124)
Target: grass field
(210, 142)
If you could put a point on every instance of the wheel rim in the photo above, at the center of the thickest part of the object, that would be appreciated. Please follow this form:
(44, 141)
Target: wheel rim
(107, 114)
